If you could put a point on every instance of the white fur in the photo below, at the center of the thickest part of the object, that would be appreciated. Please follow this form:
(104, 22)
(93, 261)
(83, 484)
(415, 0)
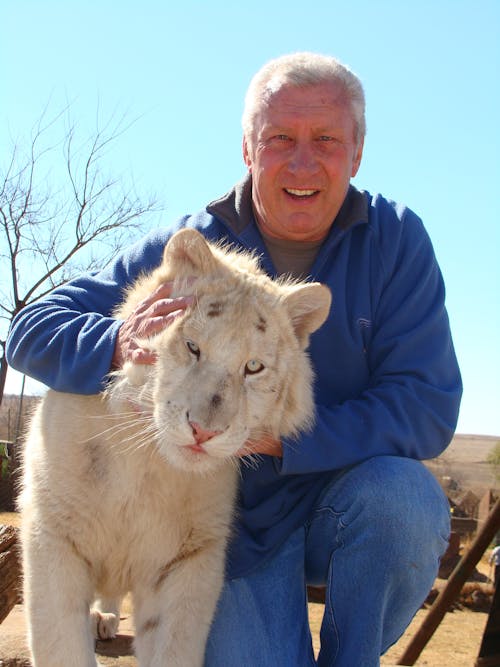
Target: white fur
(114, 500)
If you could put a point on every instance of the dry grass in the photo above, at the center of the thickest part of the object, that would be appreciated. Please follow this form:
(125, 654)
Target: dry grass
(456, 641)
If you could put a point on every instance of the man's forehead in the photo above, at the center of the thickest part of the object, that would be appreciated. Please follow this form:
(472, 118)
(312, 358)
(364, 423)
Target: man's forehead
(315, 99)
(325, 92)
(321, 109)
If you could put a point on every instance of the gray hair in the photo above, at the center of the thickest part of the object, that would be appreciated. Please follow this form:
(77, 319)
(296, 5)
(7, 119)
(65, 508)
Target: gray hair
(303, 69)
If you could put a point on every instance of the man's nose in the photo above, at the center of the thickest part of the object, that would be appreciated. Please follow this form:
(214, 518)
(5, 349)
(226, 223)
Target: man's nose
(303, 158)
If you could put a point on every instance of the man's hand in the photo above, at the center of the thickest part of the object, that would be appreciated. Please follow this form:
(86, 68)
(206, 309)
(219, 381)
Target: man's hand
(265, 445)
(149, 317)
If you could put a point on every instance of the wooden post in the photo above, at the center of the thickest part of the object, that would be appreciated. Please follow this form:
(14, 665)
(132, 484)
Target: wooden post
(10, 570)
(453, 587)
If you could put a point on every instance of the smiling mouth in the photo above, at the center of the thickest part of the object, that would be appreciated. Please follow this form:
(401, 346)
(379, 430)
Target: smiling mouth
(300, 194)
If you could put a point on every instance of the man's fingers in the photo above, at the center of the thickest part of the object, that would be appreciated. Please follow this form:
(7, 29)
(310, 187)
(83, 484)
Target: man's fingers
(162, 313)
(167, 306)
(159, 322)
(142, 356)
(164, 291)
(265, 445)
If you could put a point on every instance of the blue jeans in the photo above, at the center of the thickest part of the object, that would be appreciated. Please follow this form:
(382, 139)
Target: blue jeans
(374, 539)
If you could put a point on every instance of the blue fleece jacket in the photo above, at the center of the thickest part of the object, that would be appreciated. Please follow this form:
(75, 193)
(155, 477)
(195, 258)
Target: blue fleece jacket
(387, 379)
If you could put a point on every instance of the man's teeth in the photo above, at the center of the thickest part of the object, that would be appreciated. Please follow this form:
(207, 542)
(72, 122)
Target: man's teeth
(300, 193)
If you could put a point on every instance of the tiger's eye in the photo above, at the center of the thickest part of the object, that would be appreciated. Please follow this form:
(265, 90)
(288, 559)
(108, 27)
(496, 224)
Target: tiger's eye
(193, 348)
(253, 366)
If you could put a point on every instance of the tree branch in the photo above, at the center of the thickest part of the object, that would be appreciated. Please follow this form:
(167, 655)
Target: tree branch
(48, 233)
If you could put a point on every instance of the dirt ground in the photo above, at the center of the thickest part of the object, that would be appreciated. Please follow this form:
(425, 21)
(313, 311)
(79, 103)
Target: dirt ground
(456, 641)
(454, 644)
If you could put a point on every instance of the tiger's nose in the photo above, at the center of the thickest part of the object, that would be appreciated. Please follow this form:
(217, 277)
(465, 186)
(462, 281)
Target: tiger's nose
(201, 434)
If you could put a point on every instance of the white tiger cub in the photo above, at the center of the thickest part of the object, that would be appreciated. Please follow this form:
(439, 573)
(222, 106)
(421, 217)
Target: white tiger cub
(133, 489)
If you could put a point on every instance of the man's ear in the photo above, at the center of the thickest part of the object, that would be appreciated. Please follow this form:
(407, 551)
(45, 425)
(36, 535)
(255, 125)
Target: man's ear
(357, 157)
(246, 154)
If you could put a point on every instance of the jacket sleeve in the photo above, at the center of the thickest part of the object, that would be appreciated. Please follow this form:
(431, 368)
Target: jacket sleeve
(409, 407)
(66, 339)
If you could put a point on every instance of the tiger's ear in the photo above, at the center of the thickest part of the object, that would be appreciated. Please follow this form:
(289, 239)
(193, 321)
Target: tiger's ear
(188, 253)
(308, 305)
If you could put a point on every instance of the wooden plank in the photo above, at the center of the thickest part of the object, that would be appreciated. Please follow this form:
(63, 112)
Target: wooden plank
(10, 570)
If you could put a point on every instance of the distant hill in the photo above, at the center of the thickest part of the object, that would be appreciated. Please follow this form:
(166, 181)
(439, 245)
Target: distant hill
(465, 460)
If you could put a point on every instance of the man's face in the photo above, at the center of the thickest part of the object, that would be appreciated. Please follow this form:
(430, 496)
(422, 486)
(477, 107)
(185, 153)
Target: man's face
(302, 156)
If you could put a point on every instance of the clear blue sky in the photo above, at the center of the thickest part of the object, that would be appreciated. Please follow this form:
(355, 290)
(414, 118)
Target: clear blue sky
(431, 71)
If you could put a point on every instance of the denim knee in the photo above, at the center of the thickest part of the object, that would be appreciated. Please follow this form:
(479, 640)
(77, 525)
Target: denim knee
(390, 505)
(401, 497)
(375, 539)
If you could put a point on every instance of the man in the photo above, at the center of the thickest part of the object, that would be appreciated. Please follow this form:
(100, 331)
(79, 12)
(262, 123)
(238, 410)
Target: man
(349, 506)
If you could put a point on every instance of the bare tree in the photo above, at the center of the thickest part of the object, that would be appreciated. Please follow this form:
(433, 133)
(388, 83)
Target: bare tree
(60, 213)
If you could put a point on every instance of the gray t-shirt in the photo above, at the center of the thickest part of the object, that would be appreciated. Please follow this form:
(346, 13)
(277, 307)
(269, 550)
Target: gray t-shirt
(293, 258)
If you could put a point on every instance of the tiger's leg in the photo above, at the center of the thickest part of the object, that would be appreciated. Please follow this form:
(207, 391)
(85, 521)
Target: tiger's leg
(57, 592)
(173, 614)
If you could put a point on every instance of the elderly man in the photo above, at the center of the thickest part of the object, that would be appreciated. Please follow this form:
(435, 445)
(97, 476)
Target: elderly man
(349, 506)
